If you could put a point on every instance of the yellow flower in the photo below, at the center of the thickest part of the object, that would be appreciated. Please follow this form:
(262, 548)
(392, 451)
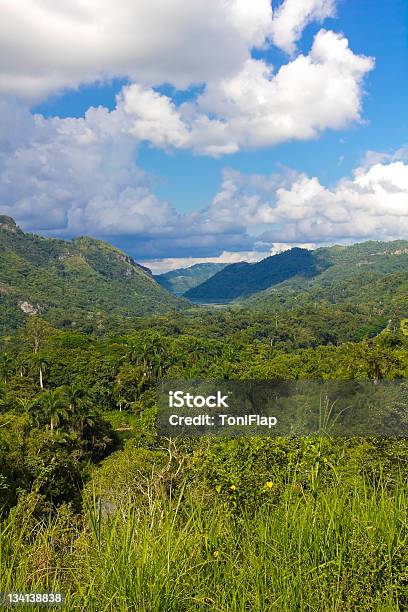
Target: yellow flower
(269, 484)
(216, 553)
(233, 488)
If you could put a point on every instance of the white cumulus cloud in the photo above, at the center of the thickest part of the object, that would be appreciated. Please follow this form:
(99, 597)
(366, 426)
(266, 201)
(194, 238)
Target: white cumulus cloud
(76, 176)
(257, 107)
(244, 103)
(296, 208)
(292, 16)
(46, 45)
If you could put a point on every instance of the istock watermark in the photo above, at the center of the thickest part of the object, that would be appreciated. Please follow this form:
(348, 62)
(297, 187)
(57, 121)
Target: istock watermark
(179, 399)
(288, 408)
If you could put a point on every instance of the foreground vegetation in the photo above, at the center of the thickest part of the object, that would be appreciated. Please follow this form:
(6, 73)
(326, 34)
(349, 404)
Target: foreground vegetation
(314, 534)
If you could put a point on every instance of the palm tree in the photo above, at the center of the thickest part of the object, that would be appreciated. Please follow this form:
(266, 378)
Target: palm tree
(145, 353)
(79, 407)
(133, 353)
(75, 396)
(22, 366)
(122, 402)
(53, 405)
(85, 417)
(41, 364)
(27, 404)
(156, 364)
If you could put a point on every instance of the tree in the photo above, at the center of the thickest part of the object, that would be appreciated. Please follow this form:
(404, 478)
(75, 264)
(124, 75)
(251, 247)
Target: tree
(79, 408)
(129, 383)
(372, 361)
(54, 407)
(22, 366)
(133, 352)
(41, 364)
(36, 332)
(27, 404)
(75, 396)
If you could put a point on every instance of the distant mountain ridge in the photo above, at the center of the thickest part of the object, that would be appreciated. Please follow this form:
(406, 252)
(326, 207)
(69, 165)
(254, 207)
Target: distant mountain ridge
(88, 284)
(298, 269)
(243, 279)
(369, 272)
(67, 281)
(182, 279)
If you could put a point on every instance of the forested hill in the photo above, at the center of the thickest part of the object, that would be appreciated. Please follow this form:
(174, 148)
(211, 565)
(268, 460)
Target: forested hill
(373, 273)
(243, 279)
(300, 270)
(181, 280)
(82, 282)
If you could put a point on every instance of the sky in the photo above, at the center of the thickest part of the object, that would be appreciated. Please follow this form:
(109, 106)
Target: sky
(218, 130)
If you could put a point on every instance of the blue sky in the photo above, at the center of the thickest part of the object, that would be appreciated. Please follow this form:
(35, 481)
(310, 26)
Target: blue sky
(180, 171)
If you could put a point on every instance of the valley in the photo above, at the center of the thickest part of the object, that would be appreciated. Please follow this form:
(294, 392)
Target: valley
(87, 335)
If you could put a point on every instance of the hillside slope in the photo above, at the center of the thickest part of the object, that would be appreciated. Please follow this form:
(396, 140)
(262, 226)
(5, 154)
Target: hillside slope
(71, 282)
(375, 272)
(326, 273)
(243, 279)
(181, 280)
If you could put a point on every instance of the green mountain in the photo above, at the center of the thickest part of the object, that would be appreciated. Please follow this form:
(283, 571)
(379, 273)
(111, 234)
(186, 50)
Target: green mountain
(243, 279)
(181, 280)
(72, 282)
(330, 273)
(369, 272)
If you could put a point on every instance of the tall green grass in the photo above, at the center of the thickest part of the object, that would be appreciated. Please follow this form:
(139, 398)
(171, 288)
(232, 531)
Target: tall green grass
(338, 549)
